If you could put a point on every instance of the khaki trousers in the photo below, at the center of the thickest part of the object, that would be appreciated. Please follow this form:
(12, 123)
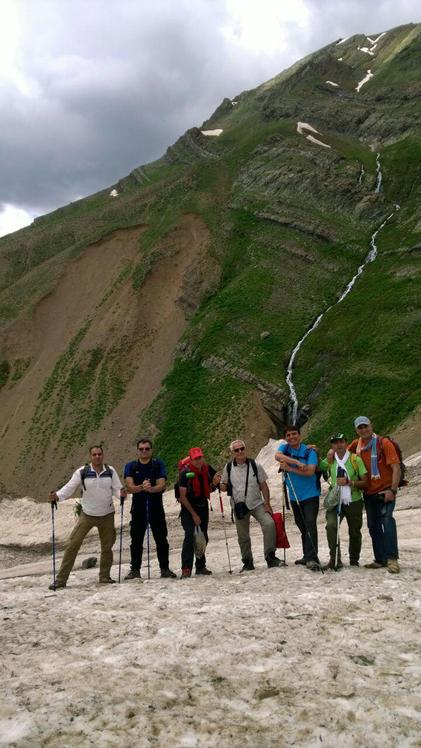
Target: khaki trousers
(107, 536)
(353, 514)
(243, 533)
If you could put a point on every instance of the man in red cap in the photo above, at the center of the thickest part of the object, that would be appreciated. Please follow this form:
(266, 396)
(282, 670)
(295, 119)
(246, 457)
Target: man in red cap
(197, 480)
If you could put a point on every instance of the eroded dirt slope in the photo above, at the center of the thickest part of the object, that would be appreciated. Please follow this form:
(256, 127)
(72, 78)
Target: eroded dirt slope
(147, 323)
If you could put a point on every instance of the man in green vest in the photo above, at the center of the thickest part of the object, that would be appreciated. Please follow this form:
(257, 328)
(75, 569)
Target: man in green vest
(346, 471)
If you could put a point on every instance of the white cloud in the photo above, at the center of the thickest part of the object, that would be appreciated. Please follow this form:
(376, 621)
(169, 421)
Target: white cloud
(13, 218)
(87, 95)
(265, 26)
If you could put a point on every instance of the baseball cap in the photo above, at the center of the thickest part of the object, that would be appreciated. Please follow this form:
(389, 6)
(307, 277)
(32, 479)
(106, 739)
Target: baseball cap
(338, 438)
(195, 452)
(362, 421)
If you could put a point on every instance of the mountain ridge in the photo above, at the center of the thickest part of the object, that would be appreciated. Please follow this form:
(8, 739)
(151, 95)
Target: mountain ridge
(282, 222)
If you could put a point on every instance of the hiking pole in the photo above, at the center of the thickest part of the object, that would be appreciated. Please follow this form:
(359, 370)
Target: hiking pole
(285, 503)
(53, 538)
(147, 537)
(305, 524)
(121, 536)
(225, 530)
(338, 525)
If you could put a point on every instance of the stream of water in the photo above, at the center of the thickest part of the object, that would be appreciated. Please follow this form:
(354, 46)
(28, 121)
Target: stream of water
(371, 256)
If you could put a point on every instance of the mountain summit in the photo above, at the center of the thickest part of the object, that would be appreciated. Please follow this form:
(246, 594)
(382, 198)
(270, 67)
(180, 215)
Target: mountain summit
(266, 266)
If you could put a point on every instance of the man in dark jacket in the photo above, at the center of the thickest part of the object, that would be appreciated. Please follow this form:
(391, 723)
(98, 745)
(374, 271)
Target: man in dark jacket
(146, 479)
(197, 480)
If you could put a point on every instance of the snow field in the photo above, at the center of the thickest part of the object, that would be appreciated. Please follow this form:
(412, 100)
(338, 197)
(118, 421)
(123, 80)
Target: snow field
(273, 657)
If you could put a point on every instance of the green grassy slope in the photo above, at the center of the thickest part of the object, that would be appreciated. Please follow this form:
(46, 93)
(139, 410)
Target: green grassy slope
(290, 223)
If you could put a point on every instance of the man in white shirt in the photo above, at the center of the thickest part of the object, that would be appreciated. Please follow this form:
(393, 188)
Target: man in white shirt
(245, 481)
(99, 483)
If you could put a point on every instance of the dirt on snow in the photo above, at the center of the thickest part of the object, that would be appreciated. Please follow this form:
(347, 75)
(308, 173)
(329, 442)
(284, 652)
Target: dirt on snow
(274, 657)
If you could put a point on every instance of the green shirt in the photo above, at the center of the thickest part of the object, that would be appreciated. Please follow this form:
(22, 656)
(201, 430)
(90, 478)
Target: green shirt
(355, 469)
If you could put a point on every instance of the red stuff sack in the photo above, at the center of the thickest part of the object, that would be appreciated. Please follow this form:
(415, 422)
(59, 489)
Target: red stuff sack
(281, 536)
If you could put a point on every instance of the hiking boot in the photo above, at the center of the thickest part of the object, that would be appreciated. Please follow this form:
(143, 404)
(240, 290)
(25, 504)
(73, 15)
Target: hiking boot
(300, 562)
(133, 574)
(374, 565)
(331, 565)
(313, 566)
(248, 565)
(393, 565)
(185, 573)
(57, 586)
(107, 580)
(204, 571)
(272, 560)
(168, 574)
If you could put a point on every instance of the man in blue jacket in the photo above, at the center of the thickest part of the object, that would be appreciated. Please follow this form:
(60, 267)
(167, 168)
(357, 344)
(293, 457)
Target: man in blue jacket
(298, 463)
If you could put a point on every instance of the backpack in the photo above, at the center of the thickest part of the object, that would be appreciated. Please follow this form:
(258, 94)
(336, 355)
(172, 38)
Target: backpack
(229, 468)
(182, 464)
(318, 473)
(402, 480)
(84, 472)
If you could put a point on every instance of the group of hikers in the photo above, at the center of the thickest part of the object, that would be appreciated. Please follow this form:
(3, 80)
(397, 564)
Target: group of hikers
(366, 471)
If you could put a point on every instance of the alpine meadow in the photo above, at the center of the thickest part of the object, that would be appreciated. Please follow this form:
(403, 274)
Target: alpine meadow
(170, 303)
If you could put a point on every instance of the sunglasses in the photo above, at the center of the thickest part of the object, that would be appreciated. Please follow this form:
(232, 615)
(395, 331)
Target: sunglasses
(239, 449)
(144, 449)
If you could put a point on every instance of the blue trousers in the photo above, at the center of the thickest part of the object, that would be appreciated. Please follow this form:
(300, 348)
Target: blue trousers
(382, 527)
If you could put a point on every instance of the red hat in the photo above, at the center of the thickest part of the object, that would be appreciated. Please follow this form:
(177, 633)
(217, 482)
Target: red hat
(195, 452)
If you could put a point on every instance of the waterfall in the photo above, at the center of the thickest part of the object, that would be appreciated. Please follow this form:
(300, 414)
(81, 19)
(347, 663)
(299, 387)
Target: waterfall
(379, 174)
(371, 256)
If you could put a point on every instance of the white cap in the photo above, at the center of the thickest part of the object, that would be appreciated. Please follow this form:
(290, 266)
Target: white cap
(362, 421)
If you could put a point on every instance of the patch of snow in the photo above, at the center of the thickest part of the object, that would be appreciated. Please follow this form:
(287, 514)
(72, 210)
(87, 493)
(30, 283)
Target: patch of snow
(340, 59)
(366, 50)
(318, 142)
(113, 193)
(212, 133)
(331, 83)
(304, 126)
(363, 81)
(342, 41)
(374, 41)
(234, 103)
(301, 126)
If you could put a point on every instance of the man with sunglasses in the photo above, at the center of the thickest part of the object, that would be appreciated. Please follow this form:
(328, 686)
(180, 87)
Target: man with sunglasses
(383, 466)
(245, 481)
(145, 480)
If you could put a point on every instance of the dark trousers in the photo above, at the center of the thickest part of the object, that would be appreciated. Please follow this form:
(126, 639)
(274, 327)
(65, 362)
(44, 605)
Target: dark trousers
(305, 516)
(382, 527)
(187, 551)
(157, 525)
(353, 513)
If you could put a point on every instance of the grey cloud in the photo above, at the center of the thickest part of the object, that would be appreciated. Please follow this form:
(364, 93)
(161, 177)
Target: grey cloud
(114, 84)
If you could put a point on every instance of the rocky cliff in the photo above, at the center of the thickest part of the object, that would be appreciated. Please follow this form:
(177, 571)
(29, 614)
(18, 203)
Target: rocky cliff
(174, 305)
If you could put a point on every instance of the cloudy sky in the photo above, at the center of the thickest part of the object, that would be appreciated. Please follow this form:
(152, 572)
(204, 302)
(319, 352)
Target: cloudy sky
(89, 89)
